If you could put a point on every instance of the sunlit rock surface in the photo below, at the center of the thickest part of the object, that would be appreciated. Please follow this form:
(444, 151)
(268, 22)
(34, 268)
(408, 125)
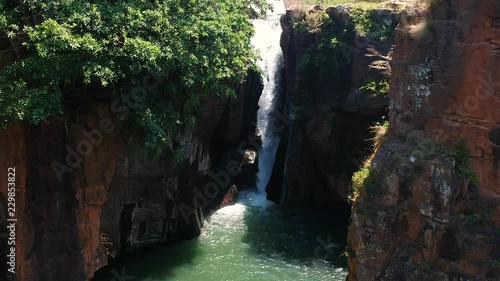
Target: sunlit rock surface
(422, 220)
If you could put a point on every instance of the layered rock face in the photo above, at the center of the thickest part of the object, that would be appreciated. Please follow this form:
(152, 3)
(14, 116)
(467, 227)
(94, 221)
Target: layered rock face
(328, 132)
(71, 220)
(58, 221)
(153, 202)
(422, 216)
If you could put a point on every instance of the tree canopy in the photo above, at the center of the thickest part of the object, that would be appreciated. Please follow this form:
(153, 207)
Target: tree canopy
(198, 48)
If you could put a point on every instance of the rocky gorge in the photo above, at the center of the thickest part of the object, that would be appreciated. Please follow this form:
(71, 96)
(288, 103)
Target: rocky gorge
(429, 203)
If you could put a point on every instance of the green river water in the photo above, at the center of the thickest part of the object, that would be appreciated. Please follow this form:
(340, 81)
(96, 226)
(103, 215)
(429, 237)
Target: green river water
(249, 241)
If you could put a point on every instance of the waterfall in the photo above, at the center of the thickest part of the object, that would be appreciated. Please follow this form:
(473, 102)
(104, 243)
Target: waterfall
(267, 41)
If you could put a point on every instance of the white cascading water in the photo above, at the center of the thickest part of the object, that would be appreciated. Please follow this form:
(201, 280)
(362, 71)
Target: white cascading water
(267, 41)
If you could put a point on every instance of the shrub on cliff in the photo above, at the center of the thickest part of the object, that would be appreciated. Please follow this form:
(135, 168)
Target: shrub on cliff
(461, 154)
(364, 175)
(328, 53)
(375, 87)
(195, 49)
(366, 24)
(334, 34)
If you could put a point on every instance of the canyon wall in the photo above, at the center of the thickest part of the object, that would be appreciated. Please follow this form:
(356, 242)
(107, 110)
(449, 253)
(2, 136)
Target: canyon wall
(328, 131)
(429, 212)
(102, 199)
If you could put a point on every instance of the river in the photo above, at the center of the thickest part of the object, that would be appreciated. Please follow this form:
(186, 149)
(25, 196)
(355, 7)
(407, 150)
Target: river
(252, 240)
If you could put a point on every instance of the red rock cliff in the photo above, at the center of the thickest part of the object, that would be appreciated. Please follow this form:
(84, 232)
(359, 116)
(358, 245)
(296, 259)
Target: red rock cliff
(422, 216)
(112, 201)
(58, 221)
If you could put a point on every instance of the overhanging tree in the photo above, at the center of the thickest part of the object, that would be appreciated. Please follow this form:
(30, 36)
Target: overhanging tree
(200, 47)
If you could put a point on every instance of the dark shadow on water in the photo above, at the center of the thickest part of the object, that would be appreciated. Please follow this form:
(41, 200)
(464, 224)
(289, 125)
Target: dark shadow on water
(298, 235)
(157, 264)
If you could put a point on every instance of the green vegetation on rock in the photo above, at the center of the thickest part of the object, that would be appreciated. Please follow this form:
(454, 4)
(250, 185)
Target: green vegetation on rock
(462, 155)
(360, 179)
(375, 87)
(335, 37)
(194, 48)
(363, 4)
(478, 213)
(364, 175)
(365, 24)
(328, 54)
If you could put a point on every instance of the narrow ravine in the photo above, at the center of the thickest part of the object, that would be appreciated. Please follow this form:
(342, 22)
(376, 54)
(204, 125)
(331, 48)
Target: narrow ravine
(254, 239)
